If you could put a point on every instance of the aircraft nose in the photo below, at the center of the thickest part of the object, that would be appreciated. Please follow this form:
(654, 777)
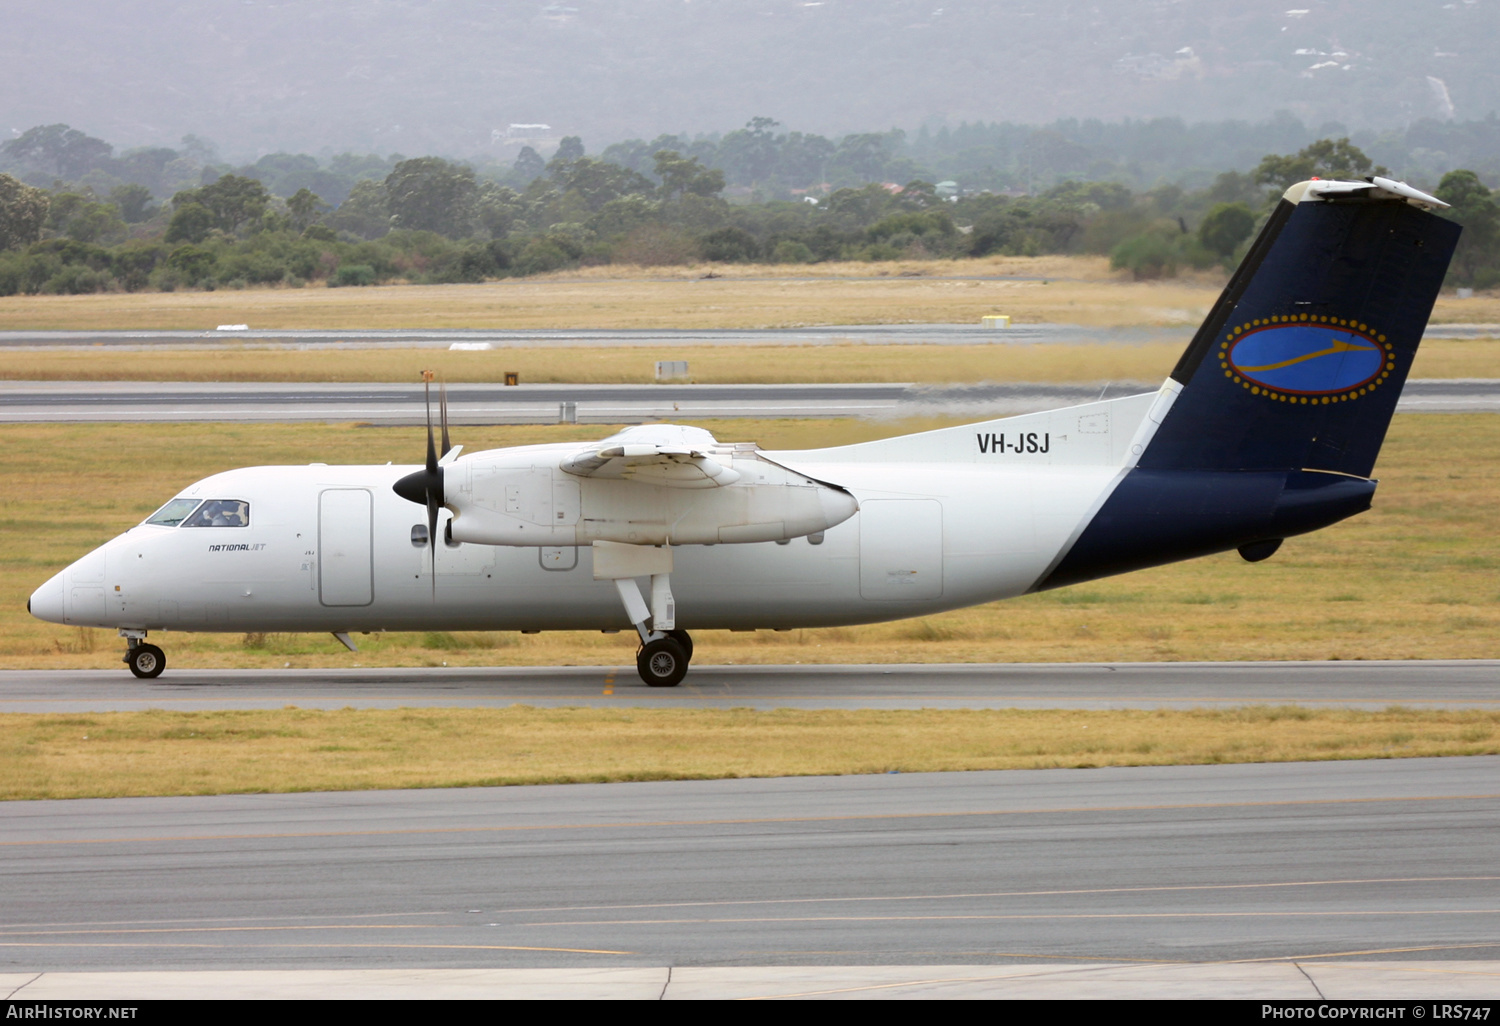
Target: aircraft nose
(46, 603)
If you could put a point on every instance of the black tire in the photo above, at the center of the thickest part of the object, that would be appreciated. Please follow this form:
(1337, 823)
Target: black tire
(146, 661)
(684, 639)
(662, 663)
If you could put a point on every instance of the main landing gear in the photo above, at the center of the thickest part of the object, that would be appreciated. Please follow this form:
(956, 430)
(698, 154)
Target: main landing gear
(665, 651)
(663, 660)
(144, 660)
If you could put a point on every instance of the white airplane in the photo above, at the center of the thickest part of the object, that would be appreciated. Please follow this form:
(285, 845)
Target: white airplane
(1268, 427)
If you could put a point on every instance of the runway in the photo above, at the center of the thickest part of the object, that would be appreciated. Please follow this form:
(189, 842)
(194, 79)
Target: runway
(402, 404)
(1452, 684)
(1370, 861)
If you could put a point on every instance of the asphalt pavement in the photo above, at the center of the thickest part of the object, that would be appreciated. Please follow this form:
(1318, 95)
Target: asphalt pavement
(1370, 860)
(126, 401)
(1448, 684)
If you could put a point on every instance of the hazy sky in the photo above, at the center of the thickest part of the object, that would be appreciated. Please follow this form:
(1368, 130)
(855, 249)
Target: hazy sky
(449, 76)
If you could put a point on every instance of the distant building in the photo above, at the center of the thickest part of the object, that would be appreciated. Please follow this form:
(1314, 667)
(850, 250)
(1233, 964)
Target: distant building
(516, 134)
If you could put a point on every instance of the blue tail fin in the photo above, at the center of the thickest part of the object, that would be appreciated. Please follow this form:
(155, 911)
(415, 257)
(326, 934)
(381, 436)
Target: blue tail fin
(1286, 390)
(1301, 361)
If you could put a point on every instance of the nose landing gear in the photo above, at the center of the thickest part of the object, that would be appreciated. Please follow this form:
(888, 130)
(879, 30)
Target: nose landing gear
(144, 660)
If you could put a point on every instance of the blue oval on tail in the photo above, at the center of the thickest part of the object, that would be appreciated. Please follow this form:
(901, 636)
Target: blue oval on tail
(1306, 358)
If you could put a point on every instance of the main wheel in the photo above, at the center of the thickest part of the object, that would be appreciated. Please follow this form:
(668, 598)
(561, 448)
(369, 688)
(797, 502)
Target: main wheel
(146, 661)
(684, 639)
(662, 663)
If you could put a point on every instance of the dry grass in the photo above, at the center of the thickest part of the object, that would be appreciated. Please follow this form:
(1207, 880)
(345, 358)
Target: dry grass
(1073, 290)
(1413, 578)
(165, 753)
(1052, 289)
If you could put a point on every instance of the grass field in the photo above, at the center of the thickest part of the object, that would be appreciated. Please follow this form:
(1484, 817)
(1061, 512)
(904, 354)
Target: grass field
(1413, 578)
(158, 752)
(1067, 290)
(939, 365)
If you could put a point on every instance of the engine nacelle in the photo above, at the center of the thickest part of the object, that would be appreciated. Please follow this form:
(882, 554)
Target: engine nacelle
(525, 497)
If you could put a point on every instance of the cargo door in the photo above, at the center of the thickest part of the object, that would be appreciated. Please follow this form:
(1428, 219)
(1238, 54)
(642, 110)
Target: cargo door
(900, 549)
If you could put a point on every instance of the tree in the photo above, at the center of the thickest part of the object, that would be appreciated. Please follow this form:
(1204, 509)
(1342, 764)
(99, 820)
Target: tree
(497, 209)
(232, 200)
(304, 209)
(23, 211)
(1147, 255)
(803, 160)
(682, 176)
(57, 149)
(134, 202)
(191, 222)
(364, 213)
(1472, 205)
(1326, 158)
(862, 157)
(147, 167)
(749, 154)
(571, 148)
(430, 194)
(82, 219)
(1225, 227)
(529, 164)
(596, 182)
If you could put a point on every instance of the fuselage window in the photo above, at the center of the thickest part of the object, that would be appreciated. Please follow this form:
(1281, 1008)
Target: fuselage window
(220, 513)
(419, 536)
(174, 512)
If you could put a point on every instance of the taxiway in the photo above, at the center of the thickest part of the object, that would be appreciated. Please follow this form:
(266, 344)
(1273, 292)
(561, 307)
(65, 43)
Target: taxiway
(1453, 684)
(156, 402)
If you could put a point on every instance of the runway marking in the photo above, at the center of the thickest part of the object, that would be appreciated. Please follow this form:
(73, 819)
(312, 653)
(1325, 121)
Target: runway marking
(764, 821)
(609, 682)
(966, 896)
(1028, 916)
(44, 931)
(320, 947)
(1369, 951)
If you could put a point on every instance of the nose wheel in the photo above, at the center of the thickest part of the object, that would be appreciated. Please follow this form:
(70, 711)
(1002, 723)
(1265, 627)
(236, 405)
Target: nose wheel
(146, 660)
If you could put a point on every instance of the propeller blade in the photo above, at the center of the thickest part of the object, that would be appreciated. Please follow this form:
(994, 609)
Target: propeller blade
(425, 487)
(431, 446)
(443, 413)
(432, 519)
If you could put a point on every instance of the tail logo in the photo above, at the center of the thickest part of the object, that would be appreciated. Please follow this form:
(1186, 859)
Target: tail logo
(1306, 358)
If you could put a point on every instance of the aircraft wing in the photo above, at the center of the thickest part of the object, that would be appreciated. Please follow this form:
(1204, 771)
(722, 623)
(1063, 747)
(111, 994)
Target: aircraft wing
(672, 455)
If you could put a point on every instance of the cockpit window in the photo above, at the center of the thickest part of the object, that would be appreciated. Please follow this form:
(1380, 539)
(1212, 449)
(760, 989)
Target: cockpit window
(220, 513)
(174, 512)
